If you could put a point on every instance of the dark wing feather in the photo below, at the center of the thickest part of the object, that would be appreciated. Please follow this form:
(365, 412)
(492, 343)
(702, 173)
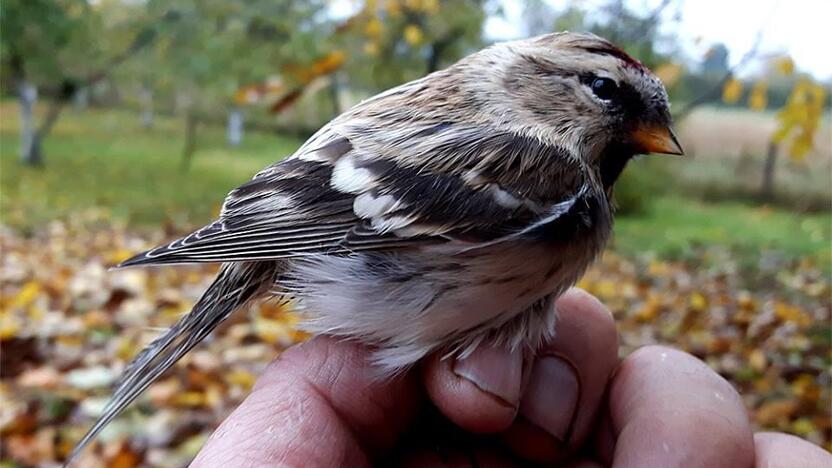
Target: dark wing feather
(286, 211)
(297, 207)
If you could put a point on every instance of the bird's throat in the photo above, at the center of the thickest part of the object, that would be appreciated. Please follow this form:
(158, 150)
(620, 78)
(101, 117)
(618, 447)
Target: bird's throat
(612, 162)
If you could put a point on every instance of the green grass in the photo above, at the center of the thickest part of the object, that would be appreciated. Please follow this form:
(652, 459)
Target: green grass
(103, 159)
(673, 225)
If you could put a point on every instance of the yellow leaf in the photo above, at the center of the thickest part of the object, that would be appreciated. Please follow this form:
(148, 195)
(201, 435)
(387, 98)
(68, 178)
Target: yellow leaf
(649, 310)
(801, 115)
(792, 314)
(371, 48)
(732, 91)
(605, 289)
(784, 65)
(393, 7)
(191, 399)
(373, 28)
(698, 302)
(163, 392)
(96, 319)
(757, 360)
(119, 255)
(818, 93)
(125, 349)
(657, 269)
(213, 396)
(801, 146)
(758, 99)
(430, 6)
(274, 331)
(125, 458)
(413, 35)
(745, 301)
(805, 388)
(10, 326)
(242, 378)
(669, 73)
(72, 341)
(803, 427)
(774, 412)
(28, 293)
(782, 132)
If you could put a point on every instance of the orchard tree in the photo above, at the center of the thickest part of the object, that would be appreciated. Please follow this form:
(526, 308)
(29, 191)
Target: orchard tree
(798, 120)
(395, 41)
(54, 48)
(214, 47)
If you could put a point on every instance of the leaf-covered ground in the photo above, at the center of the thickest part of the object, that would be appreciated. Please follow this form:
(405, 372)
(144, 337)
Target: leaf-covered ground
(68, 326)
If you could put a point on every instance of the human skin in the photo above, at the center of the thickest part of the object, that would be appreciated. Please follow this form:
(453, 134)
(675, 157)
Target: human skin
(575, 404)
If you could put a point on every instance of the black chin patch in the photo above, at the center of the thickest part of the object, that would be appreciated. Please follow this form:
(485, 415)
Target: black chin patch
(613, 161)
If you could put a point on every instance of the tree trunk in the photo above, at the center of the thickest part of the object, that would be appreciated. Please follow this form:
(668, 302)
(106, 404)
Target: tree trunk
(146, 103)
(335, 94)
(30, 154)
(190, 140)
(767, 187)
(81, 98)
(52, 114)
(433, 57)
(235, 127)
(437, 48)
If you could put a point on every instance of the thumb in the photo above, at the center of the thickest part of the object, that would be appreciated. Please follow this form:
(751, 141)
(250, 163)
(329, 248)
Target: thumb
(319, 404)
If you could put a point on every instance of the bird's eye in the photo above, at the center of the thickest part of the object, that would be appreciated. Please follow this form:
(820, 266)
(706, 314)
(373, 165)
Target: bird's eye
(604, 88)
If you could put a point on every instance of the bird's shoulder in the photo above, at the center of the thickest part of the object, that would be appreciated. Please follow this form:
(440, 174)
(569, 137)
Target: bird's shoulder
(433, 173)
(357, 186)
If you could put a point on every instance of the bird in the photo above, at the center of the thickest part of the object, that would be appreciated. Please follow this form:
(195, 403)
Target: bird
(443, 214)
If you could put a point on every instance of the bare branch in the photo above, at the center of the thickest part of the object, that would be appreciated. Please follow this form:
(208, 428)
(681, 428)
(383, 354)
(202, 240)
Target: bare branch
(716, 90)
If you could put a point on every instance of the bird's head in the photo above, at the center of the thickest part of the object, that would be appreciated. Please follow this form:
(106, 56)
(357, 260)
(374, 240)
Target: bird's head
(582, 92)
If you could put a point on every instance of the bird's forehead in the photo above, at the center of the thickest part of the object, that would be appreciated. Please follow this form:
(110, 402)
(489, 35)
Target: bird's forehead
(565, 57)
(646, 83)
(586, 45)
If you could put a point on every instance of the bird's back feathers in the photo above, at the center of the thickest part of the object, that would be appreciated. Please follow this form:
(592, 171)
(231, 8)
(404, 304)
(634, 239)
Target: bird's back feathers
(358, 197)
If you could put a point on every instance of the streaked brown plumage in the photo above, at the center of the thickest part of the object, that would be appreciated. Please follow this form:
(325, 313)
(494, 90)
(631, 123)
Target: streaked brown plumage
(442, 213)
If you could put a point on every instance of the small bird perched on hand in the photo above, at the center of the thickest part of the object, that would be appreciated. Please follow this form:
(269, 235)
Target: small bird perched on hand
(444, 213)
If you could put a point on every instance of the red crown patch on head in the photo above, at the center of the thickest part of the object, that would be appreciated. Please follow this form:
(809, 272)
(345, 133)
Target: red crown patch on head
(609, 49)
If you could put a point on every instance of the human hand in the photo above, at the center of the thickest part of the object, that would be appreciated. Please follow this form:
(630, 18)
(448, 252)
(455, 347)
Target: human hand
(575, 404)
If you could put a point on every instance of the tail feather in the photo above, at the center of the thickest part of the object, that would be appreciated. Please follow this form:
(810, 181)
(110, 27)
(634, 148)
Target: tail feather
(235, 285)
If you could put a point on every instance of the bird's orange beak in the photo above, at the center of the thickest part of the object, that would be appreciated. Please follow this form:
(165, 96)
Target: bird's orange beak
(657, 139)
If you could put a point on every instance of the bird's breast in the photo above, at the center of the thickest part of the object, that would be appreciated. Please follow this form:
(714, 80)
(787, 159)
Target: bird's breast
(588, 221)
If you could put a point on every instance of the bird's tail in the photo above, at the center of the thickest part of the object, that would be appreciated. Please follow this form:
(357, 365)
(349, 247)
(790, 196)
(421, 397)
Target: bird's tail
(235, 285)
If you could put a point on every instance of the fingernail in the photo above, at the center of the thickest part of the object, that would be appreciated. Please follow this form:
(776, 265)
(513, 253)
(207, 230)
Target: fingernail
(551, 396)
(494, 370)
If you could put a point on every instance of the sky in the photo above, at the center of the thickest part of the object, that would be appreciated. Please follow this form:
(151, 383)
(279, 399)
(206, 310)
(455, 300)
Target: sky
(799, 28)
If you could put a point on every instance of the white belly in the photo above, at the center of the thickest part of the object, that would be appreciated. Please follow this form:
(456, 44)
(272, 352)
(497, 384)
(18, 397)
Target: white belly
(410, 304)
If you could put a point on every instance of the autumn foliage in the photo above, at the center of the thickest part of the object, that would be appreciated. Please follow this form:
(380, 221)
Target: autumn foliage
(799, 120)
(69, 326)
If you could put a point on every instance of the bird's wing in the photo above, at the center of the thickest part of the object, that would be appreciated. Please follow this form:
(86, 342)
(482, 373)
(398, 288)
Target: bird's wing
(342, 193)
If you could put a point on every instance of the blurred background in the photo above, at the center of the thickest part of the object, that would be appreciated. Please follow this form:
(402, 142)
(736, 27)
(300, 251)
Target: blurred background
(125, 122)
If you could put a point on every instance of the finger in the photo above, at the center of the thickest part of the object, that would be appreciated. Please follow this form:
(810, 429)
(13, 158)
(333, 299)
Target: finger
(482, 393)
(775, 450)
(474, 456)
(567, 381)
(319, 404)
(582, 463)
(667, 408)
